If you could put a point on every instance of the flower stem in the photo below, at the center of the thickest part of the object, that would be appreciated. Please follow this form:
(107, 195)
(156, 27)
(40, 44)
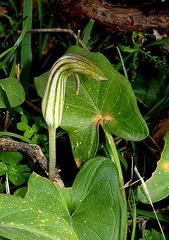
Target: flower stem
(52, 153)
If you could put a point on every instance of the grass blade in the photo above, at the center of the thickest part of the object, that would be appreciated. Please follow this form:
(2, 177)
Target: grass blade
(87, 32)
(40, 34)
(12, 49)
(158, 42)
(47, 34)
(16, 136)
(14, 7)
(26, 51)
(161, 217)
(122, 61)
(134, 217)
(9, 18)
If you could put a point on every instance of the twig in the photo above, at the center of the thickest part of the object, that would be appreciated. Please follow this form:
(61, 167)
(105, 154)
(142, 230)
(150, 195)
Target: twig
(32, 150)
(50, 30)
(31, 105)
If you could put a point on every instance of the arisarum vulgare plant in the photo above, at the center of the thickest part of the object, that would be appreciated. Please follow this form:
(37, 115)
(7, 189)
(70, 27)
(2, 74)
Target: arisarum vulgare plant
(53, 100)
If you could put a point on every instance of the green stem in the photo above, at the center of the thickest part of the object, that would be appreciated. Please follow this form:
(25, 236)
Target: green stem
(115, 158)
(52, 153)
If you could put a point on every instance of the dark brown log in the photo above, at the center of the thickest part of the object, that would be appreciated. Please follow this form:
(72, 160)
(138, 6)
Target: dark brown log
(117, 17)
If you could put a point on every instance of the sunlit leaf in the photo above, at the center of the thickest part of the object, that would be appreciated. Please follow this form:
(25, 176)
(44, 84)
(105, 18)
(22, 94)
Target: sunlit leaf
(91, 209)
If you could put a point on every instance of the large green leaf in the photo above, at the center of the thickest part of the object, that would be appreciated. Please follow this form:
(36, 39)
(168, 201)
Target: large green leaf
(99, 211)
(158, 184)
(150, 89)
(112, 102)
(92, 209)
(14, 91)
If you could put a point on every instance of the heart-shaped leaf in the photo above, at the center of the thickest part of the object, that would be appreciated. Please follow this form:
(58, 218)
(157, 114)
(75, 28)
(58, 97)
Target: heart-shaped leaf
(92, 209)
(158, 184)
(112, 102)
(14, 91)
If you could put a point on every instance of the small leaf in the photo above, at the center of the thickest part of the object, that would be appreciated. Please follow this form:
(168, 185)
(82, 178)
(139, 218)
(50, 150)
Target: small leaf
(22, 126)
(16, 179)
(28, 133)
(151, 235)
(3, 168)
(14, 91)
(20, 168)
(34, 139)
(11, 158)
(158, 185)
(21, 192)
(24, 119)
(38, 120)
(128, 49)
(35, 127)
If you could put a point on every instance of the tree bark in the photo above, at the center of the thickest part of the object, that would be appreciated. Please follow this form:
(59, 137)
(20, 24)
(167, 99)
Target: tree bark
(120, 17)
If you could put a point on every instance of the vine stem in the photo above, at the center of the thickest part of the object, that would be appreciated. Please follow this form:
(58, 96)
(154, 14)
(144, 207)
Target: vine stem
(52, 152)
(115, 158)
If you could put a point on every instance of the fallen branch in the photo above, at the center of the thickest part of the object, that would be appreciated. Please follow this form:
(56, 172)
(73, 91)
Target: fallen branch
(32, 150)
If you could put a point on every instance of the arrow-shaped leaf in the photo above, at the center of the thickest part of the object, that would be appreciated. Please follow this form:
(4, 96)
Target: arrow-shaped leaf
(112, 102)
